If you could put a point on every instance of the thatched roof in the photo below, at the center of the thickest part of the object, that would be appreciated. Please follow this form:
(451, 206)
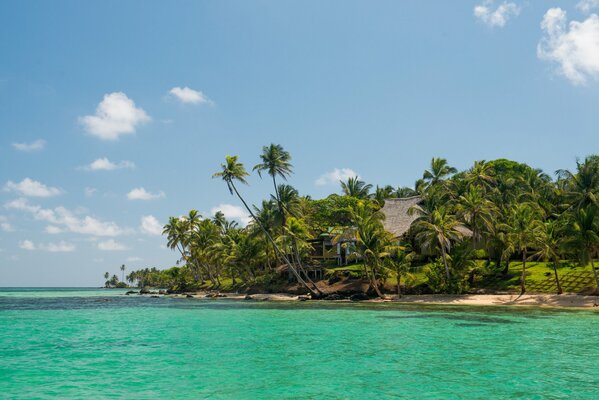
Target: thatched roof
(397, 219)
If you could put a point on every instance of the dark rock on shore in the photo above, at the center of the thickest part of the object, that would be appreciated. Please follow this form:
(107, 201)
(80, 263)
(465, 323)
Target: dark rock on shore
(162, 291)
(189, 296)
(359, 297)
(144, 291)
(334, 296)
(248, 297)
(131, 292)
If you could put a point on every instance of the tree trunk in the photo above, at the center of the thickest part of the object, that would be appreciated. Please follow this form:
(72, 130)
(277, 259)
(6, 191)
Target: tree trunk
(398, 283)
(445, 263)
(595, 275)
(523, 276)
(374, 283)
(557, 283)
(314, 291)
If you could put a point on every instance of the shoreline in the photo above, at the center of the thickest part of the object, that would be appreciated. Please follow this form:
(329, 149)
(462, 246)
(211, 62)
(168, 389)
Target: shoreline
(566, 300)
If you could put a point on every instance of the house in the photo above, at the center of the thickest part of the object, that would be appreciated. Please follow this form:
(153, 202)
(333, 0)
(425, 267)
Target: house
(397, 218)
(335, 244)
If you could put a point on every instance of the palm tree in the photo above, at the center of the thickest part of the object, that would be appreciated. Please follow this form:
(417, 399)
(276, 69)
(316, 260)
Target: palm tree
(522, 230)
(276, 162)
(354, 187)
(437, 230)
(439, 170)
(477, 212)
(584, 238)
(233, 171)
(372, 243)
(401, 262)
(106, 276)
(123, 272)
(481, 174)
(582, 186)
(548, 242)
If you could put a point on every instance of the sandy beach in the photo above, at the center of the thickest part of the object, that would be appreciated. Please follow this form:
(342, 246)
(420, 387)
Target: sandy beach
(529, 300)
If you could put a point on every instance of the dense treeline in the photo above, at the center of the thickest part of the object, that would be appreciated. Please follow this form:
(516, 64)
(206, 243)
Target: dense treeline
(497, 210)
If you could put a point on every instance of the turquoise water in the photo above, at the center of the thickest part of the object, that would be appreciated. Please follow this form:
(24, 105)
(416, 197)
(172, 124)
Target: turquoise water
(92, 343)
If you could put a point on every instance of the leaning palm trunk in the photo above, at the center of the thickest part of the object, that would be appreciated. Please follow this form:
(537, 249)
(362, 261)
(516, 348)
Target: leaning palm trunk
(314, 291)
(523, 276)
(557, 283)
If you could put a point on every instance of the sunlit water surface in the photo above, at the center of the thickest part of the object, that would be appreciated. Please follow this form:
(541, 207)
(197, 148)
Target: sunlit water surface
(90, 343)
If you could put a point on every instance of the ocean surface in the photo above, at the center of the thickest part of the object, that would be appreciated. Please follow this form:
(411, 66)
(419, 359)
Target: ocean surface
(93, 344)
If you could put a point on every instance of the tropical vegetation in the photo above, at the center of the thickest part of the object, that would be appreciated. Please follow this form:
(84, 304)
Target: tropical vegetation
(481, 228)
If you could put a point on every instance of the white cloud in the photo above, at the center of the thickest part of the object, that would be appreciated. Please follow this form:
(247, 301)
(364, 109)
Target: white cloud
(53, 230)
(104, 164)
(61, 247)
(188, 95)
(150, 225)
(27, 245)
(30, 188)
(574, 46)
(134, 259)
(333, 177)
(29, 147)
(142, 194)
(89, 191)
(5, 225)
(116, 115)
(111, 245)
(65, 218)
(497, 17)
(585, 6)
(233, 212)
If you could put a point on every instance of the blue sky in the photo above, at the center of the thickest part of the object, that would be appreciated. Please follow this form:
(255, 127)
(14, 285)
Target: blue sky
(115, 114)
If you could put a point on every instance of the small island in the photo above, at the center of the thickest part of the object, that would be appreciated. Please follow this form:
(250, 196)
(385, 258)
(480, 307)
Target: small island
(501, 231)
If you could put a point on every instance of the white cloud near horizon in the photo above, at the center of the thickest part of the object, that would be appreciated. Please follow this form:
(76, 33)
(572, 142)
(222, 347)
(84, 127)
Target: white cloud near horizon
(150, 225)
(62, 217)
(231, 211)
(189, 96)
(53, 230)
(104, 164)
(116, 115)
(27, 245)
(496, 17)
(30, 147)
(573, 46)
(111, 245)
(586, 6)
(142, 194)
(30, 188)
(5, 225)
(333, 177)
(60, 247)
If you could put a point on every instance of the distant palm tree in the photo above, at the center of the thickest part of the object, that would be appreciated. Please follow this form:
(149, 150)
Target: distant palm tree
(354, 187)
(437, 230)
(549, 242)
(439, 170)
(123, 273)
(522, 228)
(233, 171)
(276, 162)
(582, 186)
(584, 238)
(106, 276)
